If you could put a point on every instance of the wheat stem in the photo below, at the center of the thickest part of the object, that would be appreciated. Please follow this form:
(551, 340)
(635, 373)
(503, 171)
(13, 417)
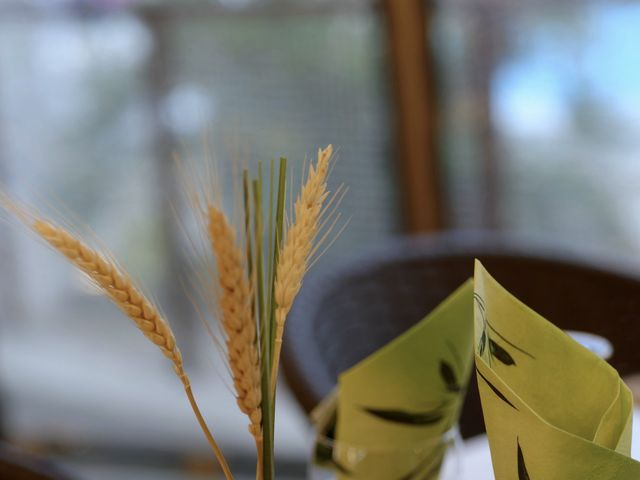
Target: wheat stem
(207, 433)
(297, 246)
(260, 462)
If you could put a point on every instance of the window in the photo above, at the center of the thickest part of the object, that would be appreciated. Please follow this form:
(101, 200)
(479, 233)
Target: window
(94, 99)
(541, 114)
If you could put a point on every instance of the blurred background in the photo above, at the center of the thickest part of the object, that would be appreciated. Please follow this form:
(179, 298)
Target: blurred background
(462, 114)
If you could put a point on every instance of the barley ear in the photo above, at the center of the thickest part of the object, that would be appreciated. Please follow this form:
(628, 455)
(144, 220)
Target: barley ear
(298, 246)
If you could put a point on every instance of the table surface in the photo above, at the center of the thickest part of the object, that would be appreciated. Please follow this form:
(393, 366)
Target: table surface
(142, 405)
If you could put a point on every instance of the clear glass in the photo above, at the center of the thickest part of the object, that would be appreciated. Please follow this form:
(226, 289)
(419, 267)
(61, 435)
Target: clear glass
(441, 453)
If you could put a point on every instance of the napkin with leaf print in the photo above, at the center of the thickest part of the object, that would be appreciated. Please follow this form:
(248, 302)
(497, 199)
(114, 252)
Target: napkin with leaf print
(553, 410)
(391, 413)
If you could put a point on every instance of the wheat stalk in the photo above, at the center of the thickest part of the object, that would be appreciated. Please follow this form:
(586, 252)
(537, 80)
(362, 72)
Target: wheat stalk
(298, 247)
(237, 321)
(118, 287)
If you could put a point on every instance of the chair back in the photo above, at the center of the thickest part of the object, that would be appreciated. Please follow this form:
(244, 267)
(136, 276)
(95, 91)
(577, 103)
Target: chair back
(341, 317)
(17, 465)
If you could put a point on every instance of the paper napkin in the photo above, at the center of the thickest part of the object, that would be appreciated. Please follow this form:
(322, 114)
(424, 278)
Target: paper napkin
(553, 410)
(390, 411)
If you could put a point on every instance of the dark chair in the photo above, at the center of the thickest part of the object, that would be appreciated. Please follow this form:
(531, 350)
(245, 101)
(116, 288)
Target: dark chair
(17, 465)
(343, 316)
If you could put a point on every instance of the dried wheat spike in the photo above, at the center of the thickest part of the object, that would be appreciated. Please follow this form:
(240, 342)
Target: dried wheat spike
(118, 287)
(237, 318)
(298, 245)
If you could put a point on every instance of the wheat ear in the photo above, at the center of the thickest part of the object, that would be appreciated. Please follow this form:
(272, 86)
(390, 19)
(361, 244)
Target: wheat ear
(237, 321)
(298, 246)
(117, 286)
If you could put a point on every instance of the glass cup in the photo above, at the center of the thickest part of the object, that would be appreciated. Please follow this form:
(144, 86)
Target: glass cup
(436, 458)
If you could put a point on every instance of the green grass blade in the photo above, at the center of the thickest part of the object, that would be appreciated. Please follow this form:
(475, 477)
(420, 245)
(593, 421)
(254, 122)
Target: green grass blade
(266, 349)
(271, 266)
(279, 229)
(246, 197)
(258, 240)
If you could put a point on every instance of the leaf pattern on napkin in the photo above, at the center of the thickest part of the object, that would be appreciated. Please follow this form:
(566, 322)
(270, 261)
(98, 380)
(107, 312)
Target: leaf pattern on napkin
(495, 351)
(448, 371)
(483, 343)
(522, 468)
(500, 354)
(407, 418)
(431, 417)
(495, 390)
(448, 375)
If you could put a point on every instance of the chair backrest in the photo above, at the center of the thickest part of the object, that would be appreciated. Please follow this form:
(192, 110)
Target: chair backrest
(341, 317)
(18, 465)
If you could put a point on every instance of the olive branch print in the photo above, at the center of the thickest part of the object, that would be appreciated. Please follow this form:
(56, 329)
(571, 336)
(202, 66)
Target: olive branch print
(495, 390)
(522, 468)
(418, 419)
(494, 350)
(447, 371)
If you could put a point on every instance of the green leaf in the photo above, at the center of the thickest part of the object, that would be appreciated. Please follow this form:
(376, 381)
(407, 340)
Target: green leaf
(265, 357)
(268, 344)
(258, 233)
(277, 243)
(246, 196)
(270, 257)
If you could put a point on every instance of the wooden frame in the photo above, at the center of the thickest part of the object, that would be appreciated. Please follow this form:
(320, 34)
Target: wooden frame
(415, 99)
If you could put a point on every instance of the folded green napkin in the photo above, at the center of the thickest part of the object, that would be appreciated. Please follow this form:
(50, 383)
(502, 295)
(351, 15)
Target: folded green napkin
(553, 410)
(390, 414)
